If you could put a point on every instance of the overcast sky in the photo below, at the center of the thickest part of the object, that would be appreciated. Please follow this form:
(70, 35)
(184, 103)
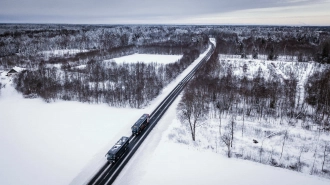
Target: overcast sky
(264, 12)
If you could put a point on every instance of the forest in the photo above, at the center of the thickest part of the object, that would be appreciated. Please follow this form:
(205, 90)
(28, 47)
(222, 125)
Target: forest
(119, 85)
(134, 85)
(281, 108)
(266, 84)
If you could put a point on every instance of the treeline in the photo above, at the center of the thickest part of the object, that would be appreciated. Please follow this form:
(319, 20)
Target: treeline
(28, 40)
(305, 43)
(318, 96)
(276, 99)
(216, 93)
(119, 85)
(23, 45)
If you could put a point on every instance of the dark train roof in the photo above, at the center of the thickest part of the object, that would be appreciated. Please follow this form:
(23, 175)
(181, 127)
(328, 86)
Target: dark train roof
(118, 145)
(141, 120)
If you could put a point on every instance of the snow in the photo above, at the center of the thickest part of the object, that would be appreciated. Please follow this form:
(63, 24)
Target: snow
(51, 143)
(192, 167)
(169, 156)
(160, 160)
(147, 58)
(98, 160)
(60, 142)
(61, 52)
(65, 143)
(18, 69)
(81, 66)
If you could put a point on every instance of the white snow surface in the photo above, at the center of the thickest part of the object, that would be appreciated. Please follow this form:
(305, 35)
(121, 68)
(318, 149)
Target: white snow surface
(60, 142)
(147, 58)
(62, 52)
(18, 69)
(65, 142)
(161, 161)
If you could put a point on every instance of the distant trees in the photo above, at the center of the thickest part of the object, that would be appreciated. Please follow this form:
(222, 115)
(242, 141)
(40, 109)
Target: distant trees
(318, 96)
(323, 53)
(119, 85)
(44, 82)
(131, 85)
(24, 45)
(272, 54)
(303, 43)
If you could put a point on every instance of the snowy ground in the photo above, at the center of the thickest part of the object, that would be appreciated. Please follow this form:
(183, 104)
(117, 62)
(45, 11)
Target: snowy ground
(61, 142)
(169, 156)
(98, 161)
(147, 58)
(61, 52)
(162, 160)
(50, 143)
(281, 68)
(65, 143)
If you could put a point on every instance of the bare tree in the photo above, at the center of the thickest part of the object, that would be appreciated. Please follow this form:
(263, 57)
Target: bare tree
(226, 139)
(326, 153)
(192, 110)
(285, 137)
(315, 151)
(232, 128)
(313, 166)
(220, 107)
(261, 150)
(303, 149)
(228, 136)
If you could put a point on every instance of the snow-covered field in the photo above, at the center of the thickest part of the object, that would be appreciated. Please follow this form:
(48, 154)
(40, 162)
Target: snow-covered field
(147, 58)
(65, 142)
(60, 142)
(281, 68)
(163, 160)
(50, 143)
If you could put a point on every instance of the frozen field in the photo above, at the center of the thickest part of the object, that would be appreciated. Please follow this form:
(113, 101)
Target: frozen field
(147, 58)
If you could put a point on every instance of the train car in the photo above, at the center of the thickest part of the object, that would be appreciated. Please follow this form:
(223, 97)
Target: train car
(140, 124)
(118, 149)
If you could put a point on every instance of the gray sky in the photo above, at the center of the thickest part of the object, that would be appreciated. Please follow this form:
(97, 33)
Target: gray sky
(269, 12)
